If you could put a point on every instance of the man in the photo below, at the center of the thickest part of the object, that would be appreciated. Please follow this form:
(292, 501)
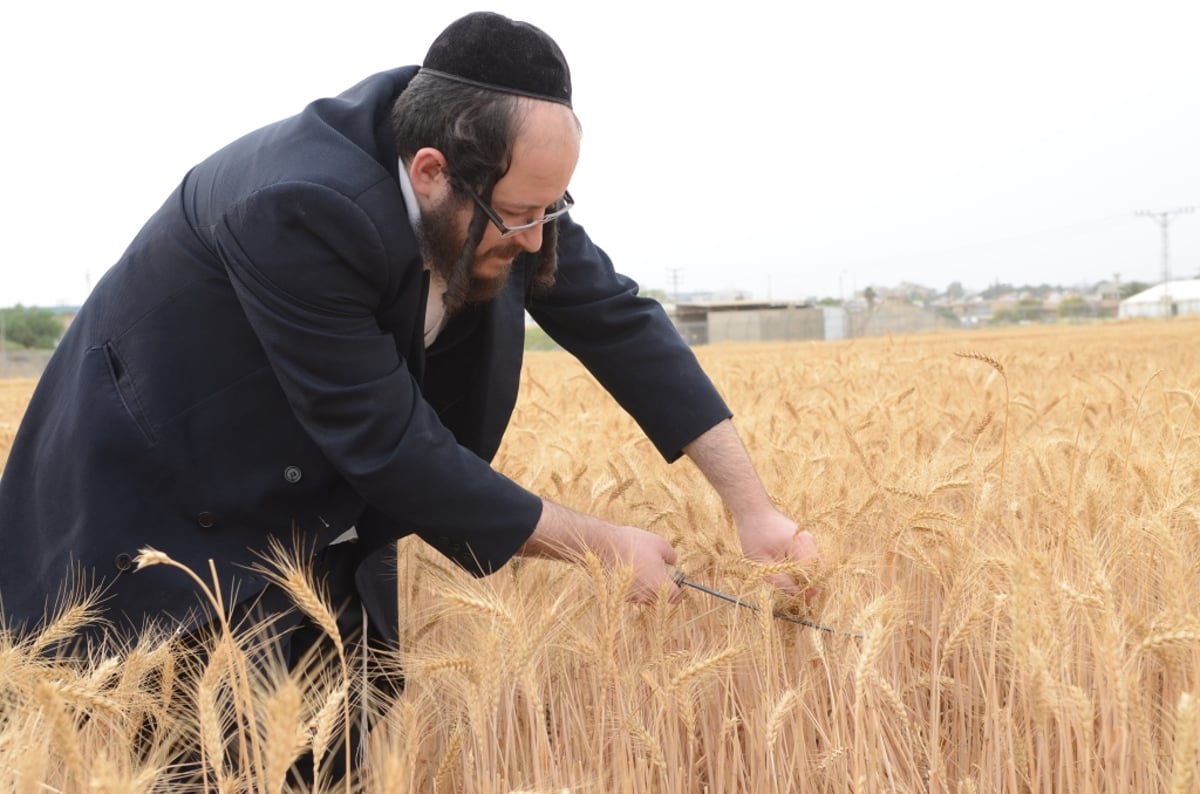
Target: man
(321, 329)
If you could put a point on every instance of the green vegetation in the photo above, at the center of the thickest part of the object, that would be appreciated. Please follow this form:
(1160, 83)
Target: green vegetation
(1027, 310)
(1134, 287)
(537, 339)
(1074, 308)
(30, 327)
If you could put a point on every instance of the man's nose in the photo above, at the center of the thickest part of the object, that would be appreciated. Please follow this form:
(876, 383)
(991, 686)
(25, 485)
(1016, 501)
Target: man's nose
(530, 239)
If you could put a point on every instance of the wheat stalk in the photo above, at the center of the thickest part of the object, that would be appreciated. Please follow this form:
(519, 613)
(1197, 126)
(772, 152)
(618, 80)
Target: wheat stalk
(702, 666)
(779, 712)
(996, 365)
(1187, 737)
(284, 736)
(243, 703)
(289, 570)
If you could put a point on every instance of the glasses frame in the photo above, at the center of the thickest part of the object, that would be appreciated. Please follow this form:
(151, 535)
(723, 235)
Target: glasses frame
(563, 205)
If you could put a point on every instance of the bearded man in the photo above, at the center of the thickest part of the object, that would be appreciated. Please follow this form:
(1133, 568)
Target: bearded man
(322, 329)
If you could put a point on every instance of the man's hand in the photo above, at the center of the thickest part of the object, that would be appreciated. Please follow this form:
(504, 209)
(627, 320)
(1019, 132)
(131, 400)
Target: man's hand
(766, 534)
(563, 534)
(650, 557)
(770, 536)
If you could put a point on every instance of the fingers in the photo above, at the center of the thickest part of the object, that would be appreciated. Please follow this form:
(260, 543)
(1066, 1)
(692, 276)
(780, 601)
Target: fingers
(666, 585)
(668, 553)
(651, 558)
(784, 582)
(804, 547)
(645, 593)
(799, 546)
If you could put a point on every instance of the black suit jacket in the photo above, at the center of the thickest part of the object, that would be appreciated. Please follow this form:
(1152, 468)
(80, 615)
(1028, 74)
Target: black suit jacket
(255, 362)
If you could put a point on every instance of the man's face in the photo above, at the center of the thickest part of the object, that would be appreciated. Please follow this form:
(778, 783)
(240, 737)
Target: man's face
(544, 157)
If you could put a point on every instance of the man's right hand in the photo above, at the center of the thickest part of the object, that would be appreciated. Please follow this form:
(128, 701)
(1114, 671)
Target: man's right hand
(564, 534)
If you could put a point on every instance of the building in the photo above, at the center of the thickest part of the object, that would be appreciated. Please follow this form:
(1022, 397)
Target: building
(710, 322)
(1172, 299)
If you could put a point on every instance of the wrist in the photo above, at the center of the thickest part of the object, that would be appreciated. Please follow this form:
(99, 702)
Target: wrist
(562, 534)
(753, 512)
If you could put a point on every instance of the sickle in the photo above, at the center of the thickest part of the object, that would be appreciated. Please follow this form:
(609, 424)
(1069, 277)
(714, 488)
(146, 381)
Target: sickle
(683, 581)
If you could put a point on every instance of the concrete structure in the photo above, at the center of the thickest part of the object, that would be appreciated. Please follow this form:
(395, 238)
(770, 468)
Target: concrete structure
(710, 322)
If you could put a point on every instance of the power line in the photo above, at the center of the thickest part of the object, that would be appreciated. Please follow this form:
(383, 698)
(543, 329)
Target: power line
(1041, 235)
(1066, 230)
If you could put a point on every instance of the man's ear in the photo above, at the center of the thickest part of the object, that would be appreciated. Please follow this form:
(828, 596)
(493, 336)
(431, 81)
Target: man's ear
(428, 173)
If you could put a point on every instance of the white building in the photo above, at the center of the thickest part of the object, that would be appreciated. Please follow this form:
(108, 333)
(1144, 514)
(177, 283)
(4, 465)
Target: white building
(1174, 298)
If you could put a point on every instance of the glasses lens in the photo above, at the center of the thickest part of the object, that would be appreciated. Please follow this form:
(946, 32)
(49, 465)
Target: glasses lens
(553, 212)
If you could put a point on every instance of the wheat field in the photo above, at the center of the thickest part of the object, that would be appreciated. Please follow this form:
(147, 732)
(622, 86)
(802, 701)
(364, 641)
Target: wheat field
(1010, 526)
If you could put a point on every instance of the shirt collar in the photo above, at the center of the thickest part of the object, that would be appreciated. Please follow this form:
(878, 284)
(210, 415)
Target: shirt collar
(435, 305)
(410, 198)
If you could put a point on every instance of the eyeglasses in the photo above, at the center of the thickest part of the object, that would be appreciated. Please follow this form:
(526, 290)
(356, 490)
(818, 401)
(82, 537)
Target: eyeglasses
(553, 212)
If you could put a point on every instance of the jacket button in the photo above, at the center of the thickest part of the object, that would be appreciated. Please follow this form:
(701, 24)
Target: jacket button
(292, 474)
(206, 519)
(123, 562)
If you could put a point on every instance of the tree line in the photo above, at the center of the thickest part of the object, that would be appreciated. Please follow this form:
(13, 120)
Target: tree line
(30, 327)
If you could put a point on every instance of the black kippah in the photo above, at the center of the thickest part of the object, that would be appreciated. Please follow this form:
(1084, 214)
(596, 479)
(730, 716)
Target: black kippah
(494, 52)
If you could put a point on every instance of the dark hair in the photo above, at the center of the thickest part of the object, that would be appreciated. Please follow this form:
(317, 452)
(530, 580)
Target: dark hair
(475, 129)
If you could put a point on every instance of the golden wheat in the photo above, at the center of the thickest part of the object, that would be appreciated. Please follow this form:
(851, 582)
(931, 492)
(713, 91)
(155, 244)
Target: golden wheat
(1022, 559)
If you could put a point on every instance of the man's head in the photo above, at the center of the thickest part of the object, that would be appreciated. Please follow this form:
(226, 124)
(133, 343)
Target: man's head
(487, 125)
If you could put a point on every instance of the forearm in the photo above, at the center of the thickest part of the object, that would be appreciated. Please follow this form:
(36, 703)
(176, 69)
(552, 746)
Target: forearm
(721, 456)
(563, 534)
(765, 534)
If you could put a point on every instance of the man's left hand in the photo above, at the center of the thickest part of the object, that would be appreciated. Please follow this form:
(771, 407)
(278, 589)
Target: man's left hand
(772, 537)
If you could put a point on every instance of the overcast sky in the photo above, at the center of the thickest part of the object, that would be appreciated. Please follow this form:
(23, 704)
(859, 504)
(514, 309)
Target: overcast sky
(789, 150)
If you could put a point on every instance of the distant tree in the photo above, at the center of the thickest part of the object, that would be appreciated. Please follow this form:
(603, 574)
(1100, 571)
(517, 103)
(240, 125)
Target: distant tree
(1028, 310)
(1073, 307)
(1003, 317)
(869, 294)
(32, 327)
(1133, 288)
(995, 291)
(829, 302)
(955, 290)
(946, 313)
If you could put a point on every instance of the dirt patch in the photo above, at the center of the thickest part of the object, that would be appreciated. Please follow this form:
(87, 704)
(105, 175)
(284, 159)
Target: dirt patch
(14, 397)
(23, 363)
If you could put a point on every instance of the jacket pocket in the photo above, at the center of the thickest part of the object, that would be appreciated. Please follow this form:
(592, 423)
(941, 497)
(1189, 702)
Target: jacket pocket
(126, 391)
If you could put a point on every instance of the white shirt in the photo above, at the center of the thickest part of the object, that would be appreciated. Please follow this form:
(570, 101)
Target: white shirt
(435, 305)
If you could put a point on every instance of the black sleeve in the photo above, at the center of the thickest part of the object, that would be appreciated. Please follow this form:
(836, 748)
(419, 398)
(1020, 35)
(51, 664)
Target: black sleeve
(309, 269)
(629, 344)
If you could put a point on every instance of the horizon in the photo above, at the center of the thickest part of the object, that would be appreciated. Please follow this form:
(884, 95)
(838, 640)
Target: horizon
(664, 295)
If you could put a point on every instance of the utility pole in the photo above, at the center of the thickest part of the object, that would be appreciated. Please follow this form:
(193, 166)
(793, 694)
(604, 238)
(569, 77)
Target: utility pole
(675, 274)
(1163, 219)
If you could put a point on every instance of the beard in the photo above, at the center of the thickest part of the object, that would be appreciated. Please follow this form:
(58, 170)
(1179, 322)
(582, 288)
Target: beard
(450, 254)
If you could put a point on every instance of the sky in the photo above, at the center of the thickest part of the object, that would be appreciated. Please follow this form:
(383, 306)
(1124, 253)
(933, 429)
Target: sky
(781, 150)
